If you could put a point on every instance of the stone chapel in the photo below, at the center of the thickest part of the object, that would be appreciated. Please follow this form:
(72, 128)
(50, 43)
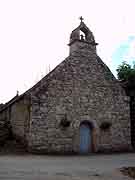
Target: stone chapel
(79, 107)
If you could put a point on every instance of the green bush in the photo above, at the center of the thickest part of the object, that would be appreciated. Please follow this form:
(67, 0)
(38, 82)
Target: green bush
(126, 72)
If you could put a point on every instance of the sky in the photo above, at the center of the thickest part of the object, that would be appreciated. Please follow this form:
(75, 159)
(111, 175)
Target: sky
(34, 35)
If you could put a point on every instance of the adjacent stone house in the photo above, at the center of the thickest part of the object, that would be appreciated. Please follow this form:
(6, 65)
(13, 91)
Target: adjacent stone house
(79, 107)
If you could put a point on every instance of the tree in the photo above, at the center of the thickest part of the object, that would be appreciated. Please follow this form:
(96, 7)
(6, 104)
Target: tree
(126, 72)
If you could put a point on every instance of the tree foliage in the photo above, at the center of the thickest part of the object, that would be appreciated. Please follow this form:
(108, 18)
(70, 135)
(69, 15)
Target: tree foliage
(126, 72)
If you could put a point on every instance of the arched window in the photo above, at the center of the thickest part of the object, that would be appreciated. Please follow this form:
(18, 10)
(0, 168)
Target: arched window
(82, 36)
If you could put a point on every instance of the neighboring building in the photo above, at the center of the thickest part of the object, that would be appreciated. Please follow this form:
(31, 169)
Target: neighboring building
(79, 107)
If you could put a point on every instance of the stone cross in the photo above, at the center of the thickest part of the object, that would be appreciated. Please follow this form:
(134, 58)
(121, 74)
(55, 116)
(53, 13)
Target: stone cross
(17, 93)
(81, 18)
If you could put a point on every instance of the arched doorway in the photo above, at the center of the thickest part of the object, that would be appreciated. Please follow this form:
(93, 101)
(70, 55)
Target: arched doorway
(85, 138)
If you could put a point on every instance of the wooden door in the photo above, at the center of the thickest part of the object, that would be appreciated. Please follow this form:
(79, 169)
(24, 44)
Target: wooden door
(85, 138)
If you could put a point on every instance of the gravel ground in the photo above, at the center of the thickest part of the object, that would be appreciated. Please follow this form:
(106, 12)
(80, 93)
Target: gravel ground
(42, 167)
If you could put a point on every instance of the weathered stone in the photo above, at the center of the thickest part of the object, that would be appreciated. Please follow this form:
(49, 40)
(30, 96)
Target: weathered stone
(80, 90)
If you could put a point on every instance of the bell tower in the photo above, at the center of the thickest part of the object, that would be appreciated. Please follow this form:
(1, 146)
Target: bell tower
(82, 38)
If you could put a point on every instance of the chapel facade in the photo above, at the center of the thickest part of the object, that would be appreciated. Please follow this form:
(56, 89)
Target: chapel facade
(79, 107)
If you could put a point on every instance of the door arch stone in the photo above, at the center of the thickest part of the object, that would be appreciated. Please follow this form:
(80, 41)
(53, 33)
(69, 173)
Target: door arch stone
(95, 134)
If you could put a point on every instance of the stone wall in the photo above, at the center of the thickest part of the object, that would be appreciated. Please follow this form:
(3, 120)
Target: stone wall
(14, 120)
(4, 126)
(19, 118)
(81, 88)
(129, 87)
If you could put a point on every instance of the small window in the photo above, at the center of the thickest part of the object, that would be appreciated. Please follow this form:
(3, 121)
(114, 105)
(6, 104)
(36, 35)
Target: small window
(82, 36)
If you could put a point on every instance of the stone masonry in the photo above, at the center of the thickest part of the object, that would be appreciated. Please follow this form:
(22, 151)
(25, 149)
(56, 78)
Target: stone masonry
(80, 89)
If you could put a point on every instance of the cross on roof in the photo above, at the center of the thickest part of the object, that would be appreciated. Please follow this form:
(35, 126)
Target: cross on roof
(17, 93)
(81, 18)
